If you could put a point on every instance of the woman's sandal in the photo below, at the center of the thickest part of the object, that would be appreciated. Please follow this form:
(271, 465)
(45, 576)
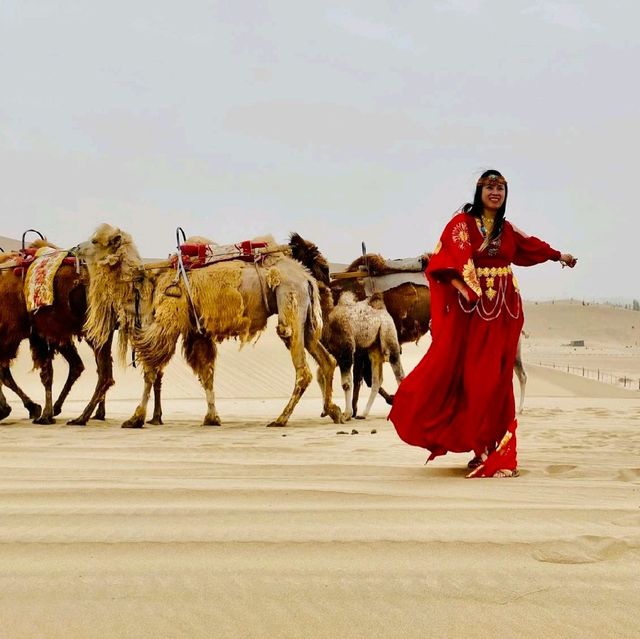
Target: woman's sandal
(506, 472)
(474, 463)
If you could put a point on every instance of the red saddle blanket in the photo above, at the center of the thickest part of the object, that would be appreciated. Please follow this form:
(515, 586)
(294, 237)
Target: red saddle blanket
(199, 255)
(26, 258)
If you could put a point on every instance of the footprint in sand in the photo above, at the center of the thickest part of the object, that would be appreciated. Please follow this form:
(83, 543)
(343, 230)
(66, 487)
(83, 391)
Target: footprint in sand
(584, 550)
(629, 474)
(559, 469)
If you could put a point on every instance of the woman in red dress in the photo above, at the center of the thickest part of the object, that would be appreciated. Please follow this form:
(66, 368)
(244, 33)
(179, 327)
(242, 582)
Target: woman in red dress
(459, 398)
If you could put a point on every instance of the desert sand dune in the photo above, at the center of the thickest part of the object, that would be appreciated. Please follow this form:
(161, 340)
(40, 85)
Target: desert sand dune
(243, 531)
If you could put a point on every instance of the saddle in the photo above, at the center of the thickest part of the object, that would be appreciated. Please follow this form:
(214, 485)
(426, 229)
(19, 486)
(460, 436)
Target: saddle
(196, 256)
(26, 257)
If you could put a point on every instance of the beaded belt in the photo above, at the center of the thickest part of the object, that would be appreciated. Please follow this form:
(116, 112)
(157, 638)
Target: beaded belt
(490, 273)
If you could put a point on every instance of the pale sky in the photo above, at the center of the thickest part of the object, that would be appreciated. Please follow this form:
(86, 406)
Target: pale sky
(343, 121)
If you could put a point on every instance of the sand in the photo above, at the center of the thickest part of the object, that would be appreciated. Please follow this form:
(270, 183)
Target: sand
(243, 531)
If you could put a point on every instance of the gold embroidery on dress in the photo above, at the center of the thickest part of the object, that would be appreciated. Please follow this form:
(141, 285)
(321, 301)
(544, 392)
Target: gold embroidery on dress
(490, 273)
(493, 271)
(460, 235)
(437, 249)
(515, 282)
(470, 278)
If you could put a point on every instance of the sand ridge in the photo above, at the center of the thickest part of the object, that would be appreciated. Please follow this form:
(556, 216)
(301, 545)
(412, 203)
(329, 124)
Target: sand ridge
(244, 531)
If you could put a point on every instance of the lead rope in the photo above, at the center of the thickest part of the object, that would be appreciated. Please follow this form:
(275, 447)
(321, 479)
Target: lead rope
(265, 299)
(366, 265)
(181, 271)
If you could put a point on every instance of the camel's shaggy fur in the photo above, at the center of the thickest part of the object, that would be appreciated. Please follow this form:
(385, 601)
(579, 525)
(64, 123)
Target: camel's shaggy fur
(364, 325)
(14, 327)
(50, 330)
(229, 299)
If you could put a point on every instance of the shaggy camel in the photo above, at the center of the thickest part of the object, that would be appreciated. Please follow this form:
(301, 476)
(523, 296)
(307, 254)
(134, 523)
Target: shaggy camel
(368, 327)
(14, 327)
(223, 300)
(409, 305)
(51, 330)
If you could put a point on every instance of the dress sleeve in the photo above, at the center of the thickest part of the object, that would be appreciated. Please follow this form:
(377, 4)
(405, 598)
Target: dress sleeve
(530, 250)
(453, 257)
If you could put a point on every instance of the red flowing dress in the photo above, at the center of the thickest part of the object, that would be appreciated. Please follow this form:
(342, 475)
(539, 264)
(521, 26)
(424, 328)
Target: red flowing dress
(459, 397)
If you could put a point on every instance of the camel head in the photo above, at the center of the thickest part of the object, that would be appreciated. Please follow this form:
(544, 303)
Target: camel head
(308, 254)
(109, 246)
(116, 276)
(375, 263)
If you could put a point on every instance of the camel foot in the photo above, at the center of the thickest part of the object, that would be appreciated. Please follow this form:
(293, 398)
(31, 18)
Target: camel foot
(35, 410)
(323, 413)
(361, 417)
(390, 400)
(276, 424)
(211, 421)
(336, 414)
(5, 411)
(78, 421)
(100, 414)
(156, 421)
(57, 409)
(44, 420)
(134, 422)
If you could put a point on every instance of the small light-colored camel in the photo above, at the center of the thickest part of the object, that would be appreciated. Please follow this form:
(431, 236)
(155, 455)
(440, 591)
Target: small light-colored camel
(362, 325)
(231, 299)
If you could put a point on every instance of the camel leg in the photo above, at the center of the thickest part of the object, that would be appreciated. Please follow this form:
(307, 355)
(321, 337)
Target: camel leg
(156, 420)
(104, 366)
(362, 372)
(200, 352)
(35, 410)
(360, 359)
(140, 414)
(5, 409)
(326, 368)
(377, 361)
(346, 378)
(42, 355)
(46, 377)
(291, 321)
(101, 411)
(70, 353)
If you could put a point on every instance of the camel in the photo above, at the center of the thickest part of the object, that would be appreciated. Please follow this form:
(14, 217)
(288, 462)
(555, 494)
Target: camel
(51, 330)
(409, 304)
(14, 327)
(352, 326)
(365, 325)
(231, 299)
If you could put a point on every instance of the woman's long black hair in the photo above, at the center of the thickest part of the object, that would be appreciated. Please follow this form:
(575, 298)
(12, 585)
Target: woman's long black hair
(476, 207)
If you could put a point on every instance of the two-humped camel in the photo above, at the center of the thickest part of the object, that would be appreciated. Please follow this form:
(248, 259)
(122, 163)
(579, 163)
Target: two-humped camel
(231, 299)
(50, 330)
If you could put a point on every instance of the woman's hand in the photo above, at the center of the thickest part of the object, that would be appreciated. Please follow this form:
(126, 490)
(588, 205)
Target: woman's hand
(462, 289)
(566, 259)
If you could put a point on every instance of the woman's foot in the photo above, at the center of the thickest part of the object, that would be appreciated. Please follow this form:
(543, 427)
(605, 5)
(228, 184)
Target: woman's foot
(506, 472)
(478, 460)
(474, 462)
